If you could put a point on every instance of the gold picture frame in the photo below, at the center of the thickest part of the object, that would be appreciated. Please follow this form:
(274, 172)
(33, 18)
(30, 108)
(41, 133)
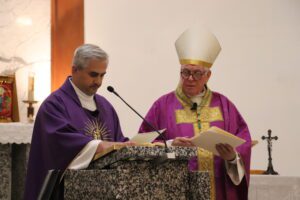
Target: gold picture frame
(8, 99)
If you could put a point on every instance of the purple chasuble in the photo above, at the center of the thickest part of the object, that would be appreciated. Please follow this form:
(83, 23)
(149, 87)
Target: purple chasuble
(162, 115)
(62, 128)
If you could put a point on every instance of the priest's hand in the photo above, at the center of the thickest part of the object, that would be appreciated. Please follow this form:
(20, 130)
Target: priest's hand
(103, 145)
(226, 151)
(182, 141)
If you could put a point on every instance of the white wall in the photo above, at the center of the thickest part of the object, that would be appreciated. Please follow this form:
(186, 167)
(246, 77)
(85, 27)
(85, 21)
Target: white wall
(258, 68)
(25, 47)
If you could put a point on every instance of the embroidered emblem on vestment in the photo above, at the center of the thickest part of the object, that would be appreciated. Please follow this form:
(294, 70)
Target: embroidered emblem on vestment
(97, 129)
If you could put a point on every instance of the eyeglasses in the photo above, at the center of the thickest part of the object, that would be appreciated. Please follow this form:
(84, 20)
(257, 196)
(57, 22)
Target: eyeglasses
(197, 75)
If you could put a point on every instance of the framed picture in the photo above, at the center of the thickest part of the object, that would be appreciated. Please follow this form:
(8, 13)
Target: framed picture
(6, 98)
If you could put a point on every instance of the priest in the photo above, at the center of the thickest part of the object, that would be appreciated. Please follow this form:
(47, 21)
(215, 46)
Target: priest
(193, 108)
(73, 123)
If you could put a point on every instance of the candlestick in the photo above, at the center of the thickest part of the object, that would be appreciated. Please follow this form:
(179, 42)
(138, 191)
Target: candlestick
(30, 110)
(31, 86)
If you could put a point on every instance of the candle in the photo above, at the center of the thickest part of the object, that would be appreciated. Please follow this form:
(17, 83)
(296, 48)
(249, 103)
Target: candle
(31, 87)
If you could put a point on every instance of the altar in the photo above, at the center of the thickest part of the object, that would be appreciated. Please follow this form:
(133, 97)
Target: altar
(15, 141)
(274, 187)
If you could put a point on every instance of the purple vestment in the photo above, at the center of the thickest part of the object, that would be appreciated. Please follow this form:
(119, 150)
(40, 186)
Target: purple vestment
(162, 115)
(60, 133)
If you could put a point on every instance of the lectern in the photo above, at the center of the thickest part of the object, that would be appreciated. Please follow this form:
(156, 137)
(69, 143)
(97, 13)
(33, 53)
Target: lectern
(138, 172)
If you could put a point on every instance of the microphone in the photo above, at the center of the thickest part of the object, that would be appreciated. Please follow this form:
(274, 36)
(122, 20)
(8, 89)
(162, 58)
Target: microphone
(112, 90)
(194, 106)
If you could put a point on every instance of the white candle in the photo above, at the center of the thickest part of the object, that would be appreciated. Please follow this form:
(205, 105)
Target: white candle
(31, 87)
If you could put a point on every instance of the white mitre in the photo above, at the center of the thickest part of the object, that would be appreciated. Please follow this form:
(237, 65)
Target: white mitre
(197, 46)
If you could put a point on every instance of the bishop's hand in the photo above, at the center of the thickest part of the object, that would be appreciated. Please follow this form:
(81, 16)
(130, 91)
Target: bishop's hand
(182, 141)
(226, 151)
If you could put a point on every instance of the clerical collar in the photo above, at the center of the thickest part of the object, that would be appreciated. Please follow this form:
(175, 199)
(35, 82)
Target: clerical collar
(202, 99)
(86, 101)
(198, 98)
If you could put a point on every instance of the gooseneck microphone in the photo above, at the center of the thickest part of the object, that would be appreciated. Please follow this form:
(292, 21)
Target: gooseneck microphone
(194, 106)
(112, 90)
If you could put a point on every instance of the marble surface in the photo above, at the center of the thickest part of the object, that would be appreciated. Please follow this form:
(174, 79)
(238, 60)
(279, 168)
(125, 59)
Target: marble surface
(19, 157)
(5, 171)
(132, 173)
(13, 167)
(142, 153)
(199, 191)
(14, 152)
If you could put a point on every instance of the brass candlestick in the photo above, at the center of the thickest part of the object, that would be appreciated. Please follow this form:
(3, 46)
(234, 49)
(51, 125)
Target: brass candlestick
(30, 110)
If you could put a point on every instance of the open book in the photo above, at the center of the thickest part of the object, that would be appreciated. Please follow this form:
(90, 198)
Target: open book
(214, 135)
(143, 138)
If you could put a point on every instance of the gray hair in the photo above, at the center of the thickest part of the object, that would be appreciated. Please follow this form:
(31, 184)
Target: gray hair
(84, 53)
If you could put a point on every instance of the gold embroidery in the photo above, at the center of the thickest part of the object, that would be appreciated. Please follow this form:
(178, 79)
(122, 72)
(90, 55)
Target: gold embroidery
(197, 130)
(97, 129)
(210, 114)
(206, 163)
(195, 62)
(204, 116)
(185, 116)
(207, 114)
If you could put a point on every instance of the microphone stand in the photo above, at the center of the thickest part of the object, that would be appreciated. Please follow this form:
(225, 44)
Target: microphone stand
(111, 89)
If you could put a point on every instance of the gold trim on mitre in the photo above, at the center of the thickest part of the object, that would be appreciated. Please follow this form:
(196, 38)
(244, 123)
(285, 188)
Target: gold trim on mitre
(195, 62)
(197, 45)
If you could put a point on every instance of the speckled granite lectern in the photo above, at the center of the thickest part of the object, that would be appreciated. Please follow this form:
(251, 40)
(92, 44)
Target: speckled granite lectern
(15, 140)
(138, 173)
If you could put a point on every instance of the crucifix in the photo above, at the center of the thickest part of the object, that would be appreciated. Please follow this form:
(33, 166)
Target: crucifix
(269, 139)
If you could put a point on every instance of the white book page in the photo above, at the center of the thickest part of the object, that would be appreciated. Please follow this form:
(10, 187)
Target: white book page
(142, 138)
(208, 139)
